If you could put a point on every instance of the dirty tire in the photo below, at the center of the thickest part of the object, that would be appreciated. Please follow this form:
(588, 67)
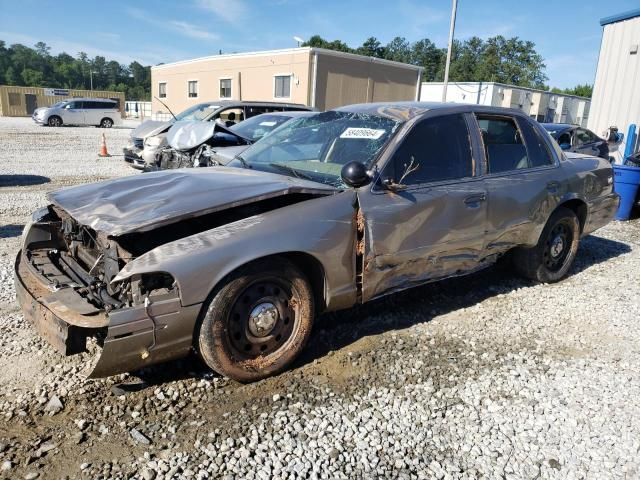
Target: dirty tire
(54, 121)
(278, 297)
(106, 123)
(550, 260)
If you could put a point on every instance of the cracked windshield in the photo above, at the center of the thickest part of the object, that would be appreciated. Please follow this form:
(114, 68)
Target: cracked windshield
(316, 148)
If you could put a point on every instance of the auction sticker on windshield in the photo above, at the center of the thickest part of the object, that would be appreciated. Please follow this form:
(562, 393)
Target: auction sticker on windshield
(370, 133)
(267, 124)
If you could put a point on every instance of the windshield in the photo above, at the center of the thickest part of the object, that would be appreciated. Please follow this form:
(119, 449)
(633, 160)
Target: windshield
(58, 104)
(198, 112)
(317, 147)
(257, 127)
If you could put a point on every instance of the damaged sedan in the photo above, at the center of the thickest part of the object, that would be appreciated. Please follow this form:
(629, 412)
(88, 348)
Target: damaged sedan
(199, 144)
(328, 212)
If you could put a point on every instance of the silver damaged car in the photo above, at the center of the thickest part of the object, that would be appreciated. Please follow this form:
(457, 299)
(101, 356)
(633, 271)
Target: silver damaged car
(328, 212)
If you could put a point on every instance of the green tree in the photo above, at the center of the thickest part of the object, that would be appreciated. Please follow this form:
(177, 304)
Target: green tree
(371, 48)
(398, 50)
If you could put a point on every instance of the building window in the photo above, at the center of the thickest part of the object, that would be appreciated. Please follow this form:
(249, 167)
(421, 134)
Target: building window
(225, 88)
(193, 88)
(282, 86)
(162, 90)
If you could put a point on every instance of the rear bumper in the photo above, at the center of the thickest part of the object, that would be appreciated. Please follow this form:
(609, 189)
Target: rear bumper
(125, 335)
(601, 211)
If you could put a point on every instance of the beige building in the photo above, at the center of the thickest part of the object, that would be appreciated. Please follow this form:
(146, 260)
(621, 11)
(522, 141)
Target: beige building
(22, 101)
(311, 76)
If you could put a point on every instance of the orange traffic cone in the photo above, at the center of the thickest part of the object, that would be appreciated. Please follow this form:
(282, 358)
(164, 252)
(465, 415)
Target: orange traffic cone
(103, 148)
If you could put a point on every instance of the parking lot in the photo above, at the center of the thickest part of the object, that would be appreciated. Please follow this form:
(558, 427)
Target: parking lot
(484, 376)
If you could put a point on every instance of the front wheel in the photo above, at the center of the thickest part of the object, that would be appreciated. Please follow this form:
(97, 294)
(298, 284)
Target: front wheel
(258, 322)
(550, 260)
(54, 121)
(106, 123)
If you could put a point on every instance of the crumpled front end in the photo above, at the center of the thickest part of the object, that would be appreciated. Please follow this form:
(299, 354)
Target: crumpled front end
(63, 283)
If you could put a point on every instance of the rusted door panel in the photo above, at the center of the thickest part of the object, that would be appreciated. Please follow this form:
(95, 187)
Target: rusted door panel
(519, 205)
(421, 234)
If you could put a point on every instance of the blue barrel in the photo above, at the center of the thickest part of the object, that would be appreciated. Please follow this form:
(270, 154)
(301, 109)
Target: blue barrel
(626, 182)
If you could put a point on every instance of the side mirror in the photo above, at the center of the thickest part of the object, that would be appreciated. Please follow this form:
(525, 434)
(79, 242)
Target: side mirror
(355, 174)
(565, 146)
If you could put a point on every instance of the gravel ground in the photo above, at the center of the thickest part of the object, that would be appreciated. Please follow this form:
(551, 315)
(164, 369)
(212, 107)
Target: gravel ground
(489, 376)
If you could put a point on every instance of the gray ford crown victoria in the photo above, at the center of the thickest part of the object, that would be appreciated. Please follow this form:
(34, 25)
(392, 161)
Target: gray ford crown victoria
(328, 212)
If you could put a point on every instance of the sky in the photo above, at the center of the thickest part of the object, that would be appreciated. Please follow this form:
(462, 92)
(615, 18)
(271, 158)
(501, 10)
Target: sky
(567, 33)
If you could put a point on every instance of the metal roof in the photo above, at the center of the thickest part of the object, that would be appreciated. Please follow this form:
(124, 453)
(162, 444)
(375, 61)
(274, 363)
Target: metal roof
(620, 17)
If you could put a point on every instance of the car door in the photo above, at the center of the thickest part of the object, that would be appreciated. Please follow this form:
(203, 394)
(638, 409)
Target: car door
(73, 113)
(521, 178)
(586, 142)
(433, 225)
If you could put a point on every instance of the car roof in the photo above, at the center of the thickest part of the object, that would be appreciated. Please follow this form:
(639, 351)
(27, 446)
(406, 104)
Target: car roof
(245, 103)
(289, 113)
(405, 111)
(558, 127)
(90, 99)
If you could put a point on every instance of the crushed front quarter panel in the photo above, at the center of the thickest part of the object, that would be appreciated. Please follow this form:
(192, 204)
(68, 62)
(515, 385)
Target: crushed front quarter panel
(323, 228)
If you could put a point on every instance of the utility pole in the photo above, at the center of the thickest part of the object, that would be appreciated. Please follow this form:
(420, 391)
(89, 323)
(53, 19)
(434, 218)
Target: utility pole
(91, 76)
(452, 27)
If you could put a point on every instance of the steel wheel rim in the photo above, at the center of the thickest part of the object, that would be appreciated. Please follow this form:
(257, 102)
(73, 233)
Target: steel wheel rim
(558, 246)
(245, 339)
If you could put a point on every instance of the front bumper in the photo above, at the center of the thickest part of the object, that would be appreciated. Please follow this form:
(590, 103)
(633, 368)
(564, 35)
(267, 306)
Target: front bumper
(131, 338)
(133, 157)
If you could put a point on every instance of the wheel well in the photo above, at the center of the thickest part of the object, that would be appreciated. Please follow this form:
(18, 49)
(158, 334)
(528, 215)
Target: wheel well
(579, 208)
(309, 265)
(314, 271)
(105, 118)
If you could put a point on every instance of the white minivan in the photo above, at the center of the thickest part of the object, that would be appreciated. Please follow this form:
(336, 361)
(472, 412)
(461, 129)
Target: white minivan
(100, 112)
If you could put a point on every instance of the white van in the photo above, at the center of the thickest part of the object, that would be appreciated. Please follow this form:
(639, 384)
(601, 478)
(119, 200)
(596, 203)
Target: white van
(100, 112)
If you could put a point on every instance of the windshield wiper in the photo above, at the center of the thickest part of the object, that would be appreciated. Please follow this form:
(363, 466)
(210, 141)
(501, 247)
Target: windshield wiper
(244, 163)
(297, 173)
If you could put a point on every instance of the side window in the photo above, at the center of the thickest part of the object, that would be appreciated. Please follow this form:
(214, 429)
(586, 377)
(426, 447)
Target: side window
(435, 149)
(253, 111)
(537, 149)
(503, 145)
(564, 139)
(231, 116)
(583, 136)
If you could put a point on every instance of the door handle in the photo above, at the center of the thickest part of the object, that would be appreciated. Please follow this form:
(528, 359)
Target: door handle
(473, 201)
(553, 187)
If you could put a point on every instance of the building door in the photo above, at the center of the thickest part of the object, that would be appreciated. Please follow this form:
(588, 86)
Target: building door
(31, 101)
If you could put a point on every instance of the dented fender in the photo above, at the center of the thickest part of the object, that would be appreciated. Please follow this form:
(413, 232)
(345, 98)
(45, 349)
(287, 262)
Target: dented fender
(323, 228)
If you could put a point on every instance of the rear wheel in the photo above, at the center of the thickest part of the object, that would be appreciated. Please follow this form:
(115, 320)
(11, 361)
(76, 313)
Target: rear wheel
(106, 123)
(54, 121)
(550, 260)
(258, 322)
